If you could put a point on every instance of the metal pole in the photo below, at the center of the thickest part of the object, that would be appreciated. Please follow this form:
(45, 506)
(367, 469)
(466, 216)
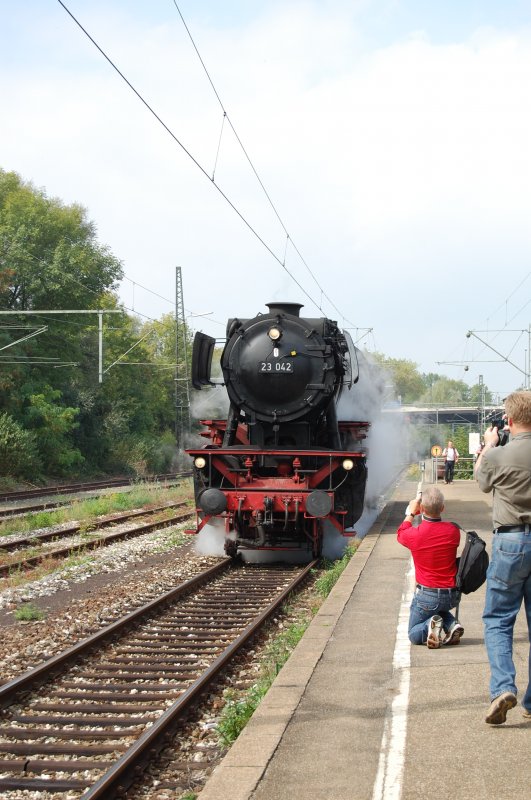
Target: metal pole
(99, 312)
(482, 405)
(100, 347)
(177, 410)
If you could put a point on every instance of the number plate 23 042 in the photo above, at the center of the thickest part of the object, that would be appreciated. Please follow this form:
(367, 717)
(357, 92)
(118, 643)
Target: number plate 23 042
(276, 367)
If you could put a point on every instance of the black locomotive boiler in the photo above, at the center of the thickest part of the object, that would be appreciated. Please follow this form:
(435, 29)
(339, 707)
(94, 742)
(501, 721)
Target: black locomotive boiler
(281, 466)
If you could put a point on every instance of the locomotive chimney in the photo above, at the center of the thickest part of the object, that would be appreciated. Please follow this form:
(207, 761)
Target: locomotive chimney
(285, 308)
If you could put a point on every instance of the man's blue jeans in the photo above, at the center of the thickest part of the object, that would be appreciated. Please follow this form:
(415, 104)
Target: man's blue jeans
(426, 604)
(449, 467)
(508, 583)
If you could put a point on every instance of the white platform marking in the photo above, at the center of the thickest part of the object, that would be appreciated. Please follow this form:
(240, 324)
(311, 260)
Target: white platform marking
(388, 783)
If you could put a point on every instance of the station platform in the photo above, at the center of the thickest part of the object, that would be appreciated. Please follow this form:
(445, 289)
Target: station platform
(357, 713)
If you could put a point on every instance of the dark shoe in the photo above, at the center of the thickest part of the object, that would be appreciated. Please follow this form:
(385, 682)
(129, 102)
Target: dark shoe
(434, 632)
(454, 634)
(499, 708)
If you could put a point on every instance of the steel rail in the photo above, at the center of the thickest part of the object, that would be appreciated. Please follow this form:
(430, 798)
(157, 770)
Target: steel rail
(69, 488)
(71, 530)
(94, 544)
(120, 776)
(174, 648)
(10, 691)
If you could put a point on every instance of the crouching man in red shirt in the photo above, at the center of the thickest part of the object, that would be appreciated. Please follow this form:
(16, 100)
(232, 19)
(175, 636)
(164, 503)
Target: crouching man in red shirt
(433, 545)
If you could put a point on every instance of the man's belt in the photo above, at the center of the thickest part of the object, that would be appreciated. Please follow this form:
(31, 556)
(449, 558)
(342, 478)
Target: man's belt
(432, 589)
(514, 528)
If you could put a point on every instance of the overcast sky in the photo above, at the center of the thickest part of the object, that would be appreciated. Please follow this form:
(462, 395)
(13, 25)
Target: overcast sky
(392, 137)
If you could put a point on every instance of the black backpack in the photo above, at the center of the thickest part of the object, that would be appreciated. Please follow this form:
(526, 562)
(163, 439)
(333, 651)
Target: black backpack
(472, 564)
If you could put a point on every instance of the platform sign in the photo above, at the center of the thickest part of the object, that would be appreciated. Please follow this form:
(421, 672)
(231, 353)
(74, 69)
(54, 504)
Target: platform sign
(436, 450)
(474, 444)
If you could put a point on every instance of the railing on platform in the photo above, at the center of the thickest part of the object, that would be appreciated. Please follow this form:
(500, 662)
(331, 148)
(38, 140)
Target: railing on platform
(463, 471)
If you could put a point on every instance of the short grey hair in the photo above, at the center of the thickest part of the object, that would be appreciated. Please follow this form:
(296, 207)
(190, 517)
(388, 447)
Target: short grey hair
(433, 501)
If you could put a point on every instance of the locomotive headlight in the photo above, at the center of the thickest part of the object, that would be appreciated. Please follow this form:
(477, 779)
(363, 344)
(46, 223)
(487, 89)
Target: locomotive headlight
(274, 334)
(200, 462)
(348, 464)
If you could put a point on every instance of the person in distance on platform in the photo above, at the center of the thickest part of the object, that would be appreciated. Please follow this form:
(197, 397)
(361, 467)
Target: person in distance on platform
(506, 471)
(451, 457)
(433, 545)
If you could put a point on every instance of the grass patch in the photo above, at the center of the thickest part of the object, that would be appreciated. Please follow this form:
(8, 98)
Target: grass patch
(413, 472)
(239, 707)
(80, 559)
(27, 613)
(333, 570)
(86, 510)
(18, 576)
(170, 538)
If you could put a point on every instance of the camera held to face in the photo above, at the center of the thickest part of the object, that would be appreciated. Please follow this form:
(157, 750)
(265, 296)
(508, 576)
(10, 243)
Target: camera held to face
(503, 431)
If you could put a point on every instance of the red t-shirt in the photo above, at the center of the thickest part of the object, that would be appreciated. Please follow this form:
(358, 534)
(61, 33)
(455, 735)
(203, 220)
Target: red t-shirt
(433, 546)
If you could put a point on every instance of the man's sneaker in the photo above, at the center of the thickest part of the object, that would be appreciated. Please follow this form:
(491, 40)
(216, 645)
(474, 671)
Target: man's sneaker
(454, 634)
(434, 632)
(527, 714)
(499, 708)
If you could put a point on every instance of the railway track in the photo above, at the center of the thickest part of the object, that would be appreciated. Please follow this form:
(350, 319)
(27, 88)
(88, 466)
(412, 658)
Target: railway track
(72, 488)
(89, 720)
(91, 538)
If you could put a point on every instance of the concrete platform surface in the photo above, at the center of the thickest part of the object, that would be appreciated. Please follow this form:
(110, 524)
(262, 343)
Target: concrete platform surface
(357, 713)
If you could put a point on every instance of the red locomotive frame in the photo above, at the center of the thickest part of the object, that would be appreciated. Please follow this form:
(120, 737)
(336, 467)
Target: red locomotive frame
(281, 489)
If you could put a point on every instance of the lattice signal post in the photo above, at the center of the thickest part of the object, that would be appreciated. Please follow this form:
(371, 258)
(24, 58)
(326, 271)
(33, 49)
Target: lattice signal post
(182, 386)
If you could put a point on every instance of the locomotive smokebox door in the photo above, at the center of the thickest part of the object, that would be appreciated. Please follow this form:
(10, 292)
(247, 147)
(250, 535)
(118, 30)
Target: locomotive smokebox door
(278, 366)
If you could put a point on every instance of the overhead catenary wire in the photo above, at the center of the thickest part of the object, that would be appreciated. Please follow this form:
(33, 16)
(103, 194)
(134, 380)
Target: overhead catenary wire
(497, 333)
(257, 176)
(188, 153)
(199, 166)
(43, 360)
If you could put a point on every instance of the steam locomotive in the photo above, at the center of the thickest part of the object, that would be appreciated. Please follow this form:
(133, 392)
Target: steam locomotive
(281, 466)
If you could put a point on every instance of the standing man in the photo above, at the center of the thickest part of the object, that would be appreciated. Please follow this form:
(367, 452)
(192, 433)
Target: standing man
(507, 472)
(451, 457)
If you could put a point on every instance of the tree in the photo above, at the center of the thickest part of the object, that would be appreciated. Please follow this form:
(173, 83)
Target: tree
(407, 380)
(53, 425)
(49, 259)
(446, 391)
(49, 254)
(475, 394)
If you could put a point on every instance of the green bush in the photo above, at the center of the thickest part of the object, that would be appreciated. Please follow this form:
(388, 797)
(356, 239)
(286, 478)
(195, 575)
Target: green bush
(28, 613)
(18, 449)
(162, 453)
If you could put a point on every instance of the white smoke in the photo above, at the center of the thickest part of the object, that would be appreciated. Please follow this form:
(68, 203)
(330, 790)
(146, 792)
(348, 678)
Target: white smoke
(210, 541)
(211, 403)
(388, 442)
